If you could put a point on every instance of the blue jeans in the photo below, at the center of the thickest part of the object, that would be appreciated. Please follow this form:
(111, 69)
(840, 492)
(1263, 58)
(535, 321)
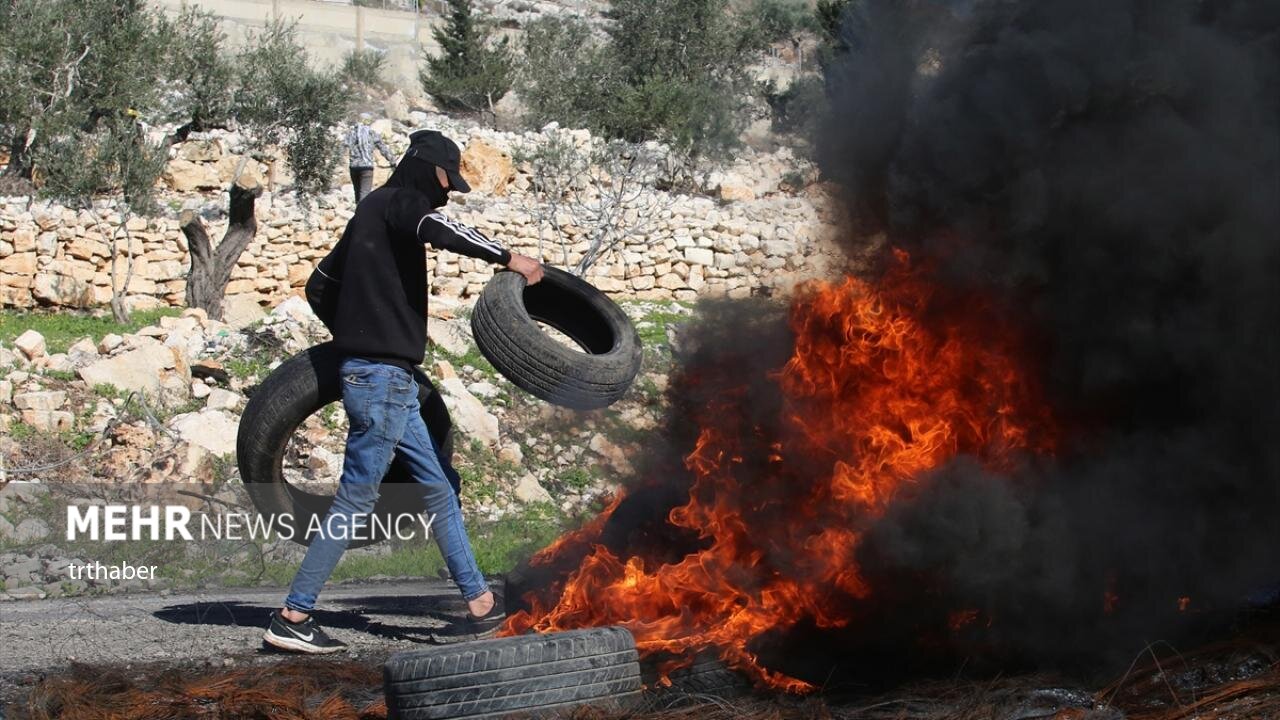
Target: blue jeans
(385, 422)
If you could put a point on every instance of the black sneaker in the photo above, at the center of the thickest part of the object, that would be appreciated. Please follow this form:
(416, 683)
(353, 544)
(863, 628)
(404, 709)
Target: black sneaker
(486, 625)
(471, 627)
(303, 637)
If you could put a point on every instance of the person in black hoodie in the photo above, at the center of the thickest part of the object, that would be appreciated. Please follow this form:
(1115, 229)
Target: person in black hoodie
(371, 292)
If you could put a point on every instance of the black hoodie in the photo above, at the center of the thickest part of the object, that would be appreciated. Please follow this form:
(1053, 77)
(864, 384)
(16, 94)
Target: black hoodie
(371, 289)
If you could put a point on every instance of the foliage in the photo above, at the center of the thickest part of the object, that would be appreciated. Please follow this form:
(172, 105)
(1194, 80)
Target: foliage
(781, 20)
(203, 73)
(76, 77)
(363, 67)
(473, 72)
(668, 70)
(281, 100)
(798, 108)
(61, 329)
(570, 93)
(830, 17)
(81, 75)
(605, 190)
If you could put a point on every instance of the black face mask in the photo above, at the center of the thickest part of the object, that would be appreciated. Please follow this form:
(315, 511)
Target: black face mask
(438, 196)
(421, 176)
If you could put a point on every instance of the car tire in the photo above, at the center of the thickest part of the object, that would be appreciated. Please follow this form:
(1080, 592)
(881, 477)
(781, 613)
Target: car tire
(506, 326)
(524, 676)
(298, 388)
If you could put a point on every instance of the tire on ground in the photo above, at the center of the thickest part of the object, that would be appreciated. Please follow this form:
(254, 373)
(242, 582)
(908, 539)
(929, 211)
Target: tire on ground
(299, 387)
(706, 677)
(505, 323)
(522, 676)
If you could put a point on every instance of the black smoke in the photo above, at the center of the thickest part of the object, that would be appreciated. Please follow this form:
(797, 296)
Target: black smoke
(1105, 176)
(1107, 172)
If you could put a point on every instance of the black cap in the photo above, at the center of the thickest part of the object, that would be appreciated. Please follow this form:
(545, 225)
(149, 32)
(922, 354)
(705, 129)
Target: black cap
(433, 147)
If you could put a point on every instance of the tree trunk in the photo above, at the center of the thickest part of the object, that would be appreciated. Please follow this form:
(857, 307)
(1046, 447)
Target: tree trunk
(211, 267)
(19, 156)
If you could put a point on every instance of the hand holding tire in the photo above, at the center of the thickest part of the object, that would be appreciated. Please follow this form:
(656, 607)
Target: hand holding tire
(528, 267)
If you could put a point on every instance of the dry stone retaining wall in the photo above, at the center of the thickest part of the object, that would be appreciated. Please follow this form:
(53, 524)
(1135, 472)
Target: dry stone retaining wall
(54, 256)
(753, 237)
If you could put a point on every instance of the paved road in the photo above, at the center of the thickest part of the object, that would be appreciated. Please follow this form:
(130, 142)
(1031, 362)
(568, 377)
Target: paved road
(219, 626)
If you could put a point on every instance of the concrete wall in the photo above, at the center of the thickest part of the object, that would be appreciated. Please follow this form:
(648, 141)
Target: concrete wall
(329, 30)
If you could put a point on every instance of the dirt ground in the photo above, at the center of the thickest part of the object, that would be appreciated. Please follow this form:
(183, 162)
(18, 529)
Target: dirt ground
(199, 655)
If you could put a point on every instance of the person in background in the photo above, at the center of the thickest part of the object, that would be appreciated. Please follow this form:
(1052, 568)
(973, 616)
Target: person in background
(361, 142)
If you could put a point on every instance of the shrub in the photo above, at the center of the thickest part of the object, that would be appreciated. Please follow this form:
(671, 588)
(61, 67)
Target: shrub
(282, 101)
(797, 109)
(363, 67)
(667, 70)
(473, 73)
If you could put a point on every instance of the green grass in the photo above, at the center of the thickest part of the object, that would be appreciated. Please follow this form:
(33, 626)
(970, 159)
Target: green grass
(21, 431)
(577, 478)
(498, 546)
(652, 327)
(61, 329)
(417, 560)
(248, 367)
(471, 357)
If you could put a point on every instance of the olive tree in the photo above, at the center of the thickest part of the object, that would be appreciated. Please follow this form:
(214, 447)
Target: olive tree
(78, 77)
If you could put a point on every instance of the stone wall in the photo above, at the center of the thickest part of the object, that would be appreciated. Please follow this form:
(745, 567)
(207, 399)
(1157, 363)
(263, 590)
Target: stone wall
(749, 233)
(50, 255)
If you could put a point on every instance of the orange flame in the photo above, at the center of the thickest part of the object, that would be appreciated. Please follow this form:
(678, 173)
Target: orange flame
(876, 392)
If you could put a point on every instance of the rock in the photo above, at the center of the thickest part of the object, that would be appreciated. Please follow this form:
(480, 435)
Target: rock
(21, 566)
(199, 314)
(213, 430)
(187, 462)
(528, 490)
(144, 369)
(509, 111)
(199, 390)
(83, 349)
(6, 529)
(49, 420)
(109, 342)
(9, 358)
(734, 191)
(443, 370)
(6, 392)
(396, 107)
(511, 453)
(484, 390)
(220, 399)
(295, 308)
(613, 454)
(42, 400)
(239, 311)
(19, 263)
(227, 167)
(779, 248)
(62, 290)
(200, 151)
(486, 168)
(700, 256)
(32, 530)
(186, 176)
(450, 336)
(469, 415)
(31, 343)
(29, 592)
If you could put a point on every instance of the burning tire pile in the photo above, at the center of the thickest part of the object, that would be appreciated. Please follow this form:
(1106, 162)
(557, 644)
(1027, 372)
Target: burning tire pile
(1035, 430)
